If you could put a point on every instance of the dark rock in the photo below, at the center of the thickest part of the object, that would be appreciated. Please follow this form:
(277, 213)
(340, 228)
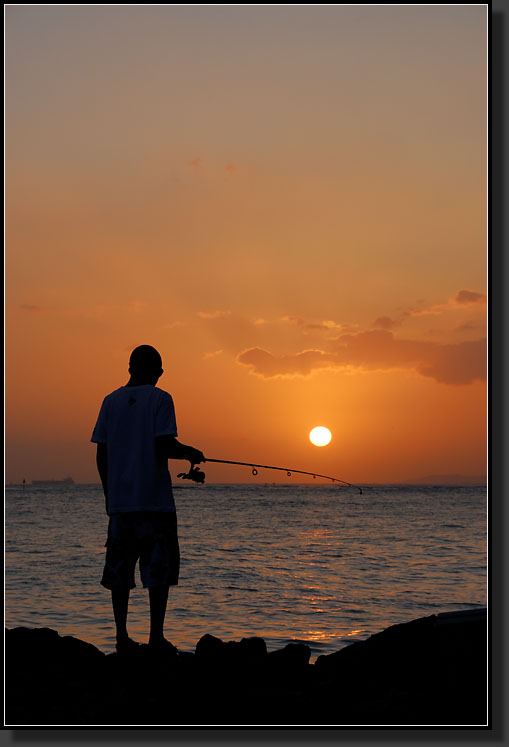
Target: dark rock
(289, 667)
(226, 666)
(431, 672)
(391, 656)
(35, 644)
(209, 647)
(80, 654)
(423, 671)
(186, 658)
(253, 648)
(43, 649)
(292, 655)
(31, 637)
(51, 679)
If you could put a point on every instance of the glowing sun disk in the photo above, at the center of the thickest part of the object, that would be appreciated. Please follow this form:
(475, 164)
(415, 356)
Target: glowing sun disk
(320, 436)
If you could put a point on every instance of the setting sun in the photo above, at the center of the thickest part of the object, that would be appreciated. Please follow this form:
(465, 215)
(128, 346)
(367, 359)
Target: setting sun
(320, 436)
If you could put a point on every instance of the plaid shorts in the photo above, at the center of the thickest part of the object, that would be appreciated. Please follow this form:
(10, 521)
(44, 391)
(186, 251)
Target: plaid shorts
(149, 536)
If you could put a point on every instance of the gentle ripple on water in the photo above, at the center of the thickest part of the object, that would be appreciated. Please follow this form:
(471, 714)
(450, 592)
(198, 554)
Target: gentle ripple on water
(309, 563)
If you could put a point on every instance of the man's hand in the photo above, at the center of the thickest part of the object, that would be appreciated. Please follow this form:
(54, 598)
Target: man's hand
(195, 456)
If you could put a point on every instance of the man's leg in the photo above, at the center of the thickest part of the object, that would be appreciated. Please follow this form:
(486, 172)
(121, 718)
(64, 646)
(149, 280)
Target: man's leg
(158, 600)
(120, 602)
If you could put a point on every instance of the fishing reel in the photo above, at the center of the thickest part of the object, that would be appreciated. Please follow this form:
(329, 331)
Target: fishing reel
(194, 474)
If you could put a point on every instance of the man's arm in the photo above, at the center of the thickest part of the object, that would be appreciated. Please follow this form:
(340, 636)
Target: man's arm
(167, 447)
(102, 468)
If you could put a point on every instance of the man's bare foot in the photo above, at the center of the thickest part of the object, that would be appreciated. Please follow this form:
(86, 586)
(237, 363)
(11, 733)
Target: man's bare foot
(126, 645)
(162, 645)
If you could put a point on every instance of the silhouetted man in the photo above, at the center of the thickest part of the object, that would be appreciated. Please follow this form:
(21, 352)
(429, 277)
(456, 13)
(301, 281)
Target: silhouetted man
(135, 435)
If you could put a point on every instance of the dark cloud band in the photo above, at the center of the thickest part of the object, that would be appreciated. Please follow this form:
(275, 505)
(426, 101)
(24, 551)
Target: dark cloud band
(455, 364)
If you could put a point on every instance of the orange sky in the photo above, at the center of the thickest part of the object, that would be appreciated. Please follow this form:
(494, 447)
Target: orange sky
(289, 202)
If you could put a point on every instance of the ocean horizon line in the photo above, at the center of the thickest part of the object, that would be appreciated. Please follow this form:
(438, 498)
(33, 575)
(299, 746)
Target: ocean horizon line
(465, 482)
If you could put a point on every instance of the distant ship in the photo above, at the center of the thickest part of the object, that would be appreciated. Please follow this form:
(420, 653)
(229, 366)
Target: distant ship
(67, 481)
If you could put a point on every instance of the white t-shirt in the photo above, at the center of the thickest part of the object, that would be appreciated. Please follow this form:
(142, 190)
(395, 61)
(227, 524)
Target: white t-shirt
(129, 420)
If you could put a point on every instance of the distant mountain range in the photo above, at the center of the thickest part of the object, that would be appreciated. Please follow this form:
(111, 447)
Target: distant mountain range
(448, 480)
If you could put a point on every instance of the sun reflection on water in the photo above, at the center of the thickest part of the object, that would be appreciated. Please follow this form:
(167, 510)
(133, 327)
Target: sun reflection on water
(317, 635)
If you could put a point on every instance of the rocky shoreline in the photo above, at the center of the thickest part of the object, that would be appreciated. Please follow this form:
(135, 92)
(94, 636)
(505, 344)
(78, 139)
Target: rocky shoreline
(428, 672)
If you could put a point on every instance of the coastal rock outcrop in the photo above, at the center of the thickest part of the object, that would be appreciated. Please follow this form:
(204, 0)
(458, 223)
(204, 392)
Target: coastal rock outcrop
(430, 671)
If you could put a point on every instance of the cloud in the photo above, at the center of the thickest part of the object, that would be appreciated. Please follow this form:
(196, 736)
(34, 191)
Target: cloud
(268, 365)
(303, 325)
(464, 297)
(306, 327)
(458, 364)
(214, 354)
(385, 322)
(432, 310)
(213, 314)
(455, 364)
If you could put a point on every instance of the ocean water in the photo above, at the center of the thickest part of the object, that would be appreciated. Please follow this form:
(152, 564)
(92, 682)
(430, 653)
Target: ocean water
(320, 564)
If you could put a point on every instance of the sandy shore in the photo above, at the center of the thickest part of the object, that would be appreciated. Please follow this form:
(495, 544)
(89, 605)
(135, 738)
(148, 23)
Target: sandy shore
(428, 672)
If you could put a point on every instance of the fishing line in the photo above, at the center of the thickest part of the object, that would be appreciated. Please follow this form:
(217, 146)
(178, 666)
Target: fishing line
(197, 476)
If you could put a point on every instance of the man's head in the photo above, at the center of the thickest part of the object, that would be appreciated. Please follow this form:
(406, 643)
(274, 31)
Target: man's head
(145, 363)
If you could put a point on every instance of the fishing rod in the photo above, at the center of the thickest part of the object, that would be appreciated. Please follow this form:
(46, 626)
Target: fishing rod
(197, 476)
